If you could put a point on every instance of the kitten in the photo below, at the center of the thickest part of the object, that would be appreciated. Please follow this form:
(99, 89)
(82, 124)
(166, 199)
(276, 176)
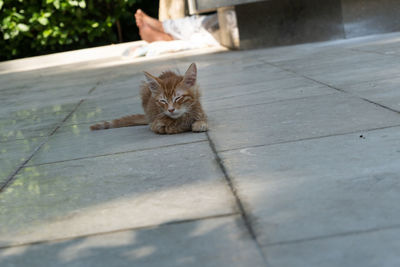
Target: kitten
(171, 104)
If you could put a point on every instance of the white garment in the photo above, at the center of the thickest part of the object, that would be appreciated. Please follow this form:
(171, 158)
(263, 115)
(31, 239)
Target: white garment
(189, 33)
(191, 29)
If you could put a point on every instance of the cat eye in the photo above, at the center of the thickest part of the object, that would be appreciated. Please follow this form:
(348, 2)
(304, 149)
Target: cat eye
(163, 101)
(176, 99)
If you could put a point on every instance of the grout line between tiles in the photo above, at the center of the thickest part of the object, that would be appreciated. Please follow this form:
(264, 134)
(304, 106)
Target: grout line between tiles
(117, 153)
(239, 204)
(11, 177)
(310, 138)
(274, 102)
(374, 52)
(323, 237)
(123, 230)
(336, 88)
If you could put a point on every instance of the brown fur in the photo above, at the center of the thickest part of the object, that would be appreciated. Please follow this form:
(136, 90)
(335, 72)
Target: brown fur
(171, 103)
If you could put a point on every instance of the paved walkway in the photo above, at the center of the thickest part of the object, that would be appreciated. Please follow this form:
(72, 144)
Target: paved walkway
(301, 166)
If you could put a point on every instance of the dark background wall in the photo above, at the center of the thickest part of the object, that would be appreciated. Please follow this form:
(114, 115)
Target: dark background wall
(285, 22)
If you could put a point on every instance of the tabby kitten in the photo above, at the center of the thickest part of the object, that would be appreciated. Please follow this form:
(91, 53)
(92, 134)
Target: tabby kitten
(171, 104)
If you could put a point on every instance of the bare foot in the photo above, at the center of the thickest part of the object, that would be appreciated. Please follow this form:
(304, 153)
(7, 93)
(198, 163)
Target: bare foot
(152, 22)
(148, 34)
(139, 18)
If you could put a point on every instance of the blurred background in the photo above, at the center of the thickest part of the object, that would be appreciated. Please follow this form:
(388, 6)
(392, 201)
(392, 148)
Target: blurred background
(38, 27)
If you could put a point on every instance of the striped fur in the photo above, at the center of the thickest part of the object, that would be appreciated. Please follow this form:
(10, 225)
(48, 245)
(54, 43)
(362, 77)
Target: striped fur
(131, 120)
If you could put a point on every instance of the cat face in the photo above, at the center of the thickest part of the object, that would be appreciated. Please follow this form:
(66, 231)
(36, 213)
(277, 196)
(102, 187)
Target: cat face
(176, 104)
(174, 94)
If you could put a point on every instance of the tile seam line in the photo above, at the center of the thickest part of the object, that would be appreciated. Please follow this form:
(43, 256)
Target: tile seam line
(275, 102)
(306, 77)
(12, 176)
(310, 138)
(239, 204)
(373, 52)
(337, 89)
(190, 220)
(343, 234)
(117, 153)
(84, 99)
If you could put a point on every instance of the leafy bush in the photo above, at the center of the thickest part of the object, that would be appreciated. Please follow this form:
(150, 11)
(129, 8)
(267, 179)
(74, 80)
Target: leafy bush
(36, 27)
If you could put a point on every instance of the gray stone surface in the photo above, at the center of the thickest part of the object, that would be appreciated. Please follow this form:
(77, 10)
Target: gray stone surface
(209, 243)
(371, 249)
(77, 141)
(320, 187)
(28, 125)
(14, 153)
(296, 119)
(113, 192)
(261, 93)
(384, 92)
(106, 109)
(305, 154)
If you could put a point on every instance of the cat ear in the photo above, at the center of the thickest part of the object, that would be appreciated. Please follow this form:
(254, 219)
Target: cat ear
(190, 77)
(154, 84)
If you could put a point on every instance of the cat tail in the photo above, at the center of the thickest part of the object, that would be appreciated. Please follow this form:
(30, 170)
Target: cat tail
(131, 120)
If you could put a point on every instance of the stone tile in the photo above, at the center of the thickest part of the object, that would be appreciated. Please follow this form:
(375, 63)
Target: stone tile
(211, 242)
(382, 45)
(233, 75)
(264, 92)
(352, 75)
(295, 119)
(118, 87)
(32, 122)
(78, 141)
(384, 92)
(324, 60)
(105, 109)
(14, 153)
(374, 249)
(337, 67)
(114, 192)
(319, 187)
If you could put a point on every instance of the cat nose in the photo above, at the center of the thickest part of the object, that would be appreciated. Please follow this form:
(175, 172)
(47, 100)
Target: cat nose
(171, 110)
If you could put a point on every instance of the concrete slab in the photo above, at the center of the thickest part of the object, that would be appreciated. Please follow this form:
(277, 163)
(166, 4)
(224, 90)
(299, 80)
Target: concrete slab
(384, 92)
(77, 141)
(387, 46)
(239, 75)
(111, 193)
(304, 160)
(337, 70)
(371, 249)
(295, 119)
(14, 153)
(105, 109)
(27, 124)
(212, 243)
(321, 187)
(261, 93)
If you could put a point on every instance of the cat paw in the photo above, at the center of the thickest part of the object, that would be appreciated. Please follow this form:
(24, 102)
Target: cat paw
(172, 130)
(158, 128)
(199, 126)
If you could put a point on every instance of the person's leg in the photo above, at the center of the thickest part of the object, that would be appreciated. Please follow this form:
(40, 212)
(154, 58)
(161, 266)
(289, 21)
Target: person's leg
(148, 34)
(152, 22)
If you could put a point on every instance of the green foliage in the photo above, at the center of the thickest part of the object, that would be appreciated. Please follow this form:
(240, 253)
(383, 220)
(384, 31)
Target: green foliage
(35, 27)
